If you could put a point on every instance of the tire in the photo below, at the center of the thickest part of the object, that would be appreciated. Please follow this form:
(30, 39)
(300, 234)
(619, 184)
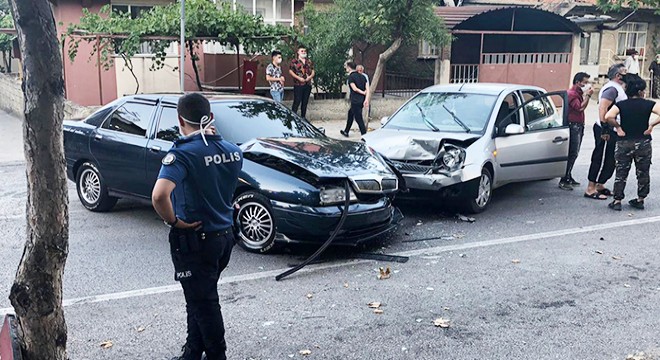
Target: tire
(254, 223)
(480, 192)
(92, 191)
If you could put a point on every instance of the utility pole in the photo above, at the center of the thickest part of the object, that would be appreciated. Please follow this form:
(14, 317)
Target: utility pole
(182, 60)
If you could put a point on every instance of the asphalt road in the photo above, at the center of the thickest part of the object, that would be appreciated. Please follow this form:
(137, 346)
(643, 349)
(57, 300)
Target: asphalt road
(543, 274)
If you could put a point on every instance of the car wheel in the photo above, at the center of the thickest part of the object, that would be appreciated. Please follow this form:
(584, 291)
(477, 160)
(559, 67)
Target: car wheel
(92, 192)
(480, 193)
(254, 223)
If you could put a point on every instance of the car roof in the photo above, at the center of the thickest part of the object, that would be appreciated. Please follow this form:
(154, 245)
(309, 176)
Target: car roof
(173, 97)
(480, 88)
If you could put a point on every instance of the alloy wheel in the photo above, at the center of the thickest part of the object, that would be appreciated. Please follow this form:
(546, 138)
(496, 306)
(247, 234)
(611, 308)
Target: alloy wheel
(90, 186)
(483, 195)
(256, 224)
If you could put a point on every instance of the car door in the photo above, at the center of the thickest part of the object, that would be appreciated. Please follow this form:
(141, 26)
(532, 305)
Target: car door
(119, 147)
(166, 130)
(541, 150)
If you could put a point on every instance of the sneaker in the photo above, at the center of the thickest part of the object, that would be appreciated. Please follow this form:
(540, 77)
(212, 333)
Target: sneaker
(187, 354)
(564, 185)
(615, 206)
(636, 204)
(345, 133)
(573, 182)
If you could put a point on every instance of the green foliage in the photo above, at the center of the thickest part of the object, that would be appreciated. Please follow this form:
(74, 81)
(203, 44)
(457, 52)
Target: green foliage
(219, 23)
(6, 22)
(614, 5)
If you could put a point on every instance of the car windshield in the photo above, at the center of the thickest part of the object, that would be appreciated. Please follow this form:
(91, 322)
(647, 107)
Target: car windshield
(446, 112)
(241, 121)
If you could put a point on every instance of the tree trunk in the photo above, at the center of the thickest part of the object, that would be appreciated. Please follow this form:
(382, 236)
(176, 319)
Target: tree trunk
(36, 294)
(382, 60)
(194, 64)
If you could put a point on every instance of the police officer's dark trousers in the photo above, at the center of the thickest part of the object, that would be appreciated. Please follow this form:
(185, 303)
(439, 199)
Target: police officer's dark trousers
(198, 259)
(627, 152)
(355, 113)
(602, 158)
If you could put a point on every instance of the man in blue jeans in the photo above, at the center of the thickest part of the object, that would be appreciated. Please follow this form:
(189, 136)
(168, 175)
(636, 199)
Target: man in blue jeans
(274, 77)
(578, 100)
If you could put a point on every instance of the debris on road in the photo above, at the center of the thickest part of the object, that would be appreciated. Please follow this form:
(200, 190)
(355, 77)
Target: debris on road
(515, 261)
(599, 252)
(616, 257)
(378, 311)
(440, 322)
(626, 285)
(106, 344)
(384, 273)
(430, 289)
(140, 329)
(305, 352)
(462, 255)
(530, 222)
(346, 285)
(464, 218)
(310, 295)
(374, 305)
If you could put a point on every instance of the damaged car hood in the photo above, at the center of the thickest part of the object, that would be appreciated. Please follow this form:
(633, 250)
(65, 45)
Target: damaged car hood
(323, 157)
(414, 145)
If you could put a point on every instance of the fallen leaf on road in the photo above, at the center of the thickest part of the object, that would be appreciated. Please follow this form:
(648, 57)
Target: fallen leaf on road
(599, 252)
(310, 295)
(515, 261)
(106, 344)
(305, 352)
(384, 273)
(378, 311)
(440, 322)
(374, 305)
(616, 257)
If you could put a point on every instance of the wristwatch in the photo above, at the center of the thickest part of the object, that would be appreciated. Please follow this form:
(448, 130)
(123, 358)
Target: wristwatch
(173, 223)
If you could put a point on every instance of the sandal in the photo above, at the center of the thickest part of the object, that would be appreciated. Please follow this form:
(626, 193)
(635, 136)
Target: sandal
(595, 196)
(605, 191)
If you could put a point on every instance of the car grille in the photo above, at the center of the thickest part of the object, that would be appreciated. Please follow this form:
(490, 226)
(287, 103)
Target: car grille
(406, 167)
(375, 185)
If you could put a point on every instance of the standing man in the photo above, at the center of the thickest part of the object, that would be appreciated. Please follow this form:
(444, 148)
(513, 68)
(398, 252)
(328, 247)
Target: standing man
(578, 100)
(632, 62)
(302, 70)
(654, 70)
(360, 69)
(602, 158)
(274, 76)
(194, 195)
(358, 85)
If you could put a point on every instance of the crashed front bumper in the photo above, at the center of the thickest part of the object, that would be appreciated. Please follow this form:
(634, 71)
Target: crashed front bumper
(441, 179)
(307, 224)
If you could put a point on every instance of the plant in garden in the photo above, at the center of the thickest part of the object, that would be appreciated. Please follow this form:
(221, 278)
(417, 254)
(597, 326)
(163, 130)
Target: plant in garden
(160, 26)
(613, 5)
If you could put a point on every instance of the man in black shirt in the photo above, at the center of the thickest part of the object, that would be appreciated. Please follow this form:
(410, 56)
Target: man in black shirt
(359, 99)
(634, 140)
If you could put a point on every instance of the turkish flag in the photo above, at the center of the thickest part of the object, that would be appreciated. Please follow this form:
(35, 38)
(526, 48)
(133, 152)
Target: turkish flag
(249, 77)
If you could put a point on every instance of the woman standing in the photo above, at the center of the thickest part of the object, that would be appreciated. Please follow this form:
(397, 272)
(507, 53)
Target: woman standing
(634, 142)
(654, 69)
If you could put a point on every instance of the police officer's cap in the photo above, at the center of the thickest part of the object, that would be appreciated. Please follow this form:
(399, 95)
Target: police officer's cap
(193, 107)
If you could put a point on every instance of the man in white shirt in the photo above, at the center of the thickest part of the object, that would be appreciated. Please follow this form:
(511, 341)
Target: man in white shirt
(632, 62)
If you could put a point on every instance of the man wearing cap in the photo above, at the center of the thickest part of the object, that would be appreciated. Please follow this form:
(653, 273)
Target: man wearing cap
(193, 195)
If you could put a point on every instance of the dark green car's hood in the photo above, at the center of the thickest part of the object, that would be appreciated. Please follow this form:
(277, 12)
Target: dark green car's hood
(325, 158)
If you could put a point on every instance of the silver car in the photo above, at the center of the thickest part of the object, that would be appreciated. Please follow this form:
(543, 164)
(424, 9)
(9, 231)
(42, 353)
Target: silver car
(466, 140)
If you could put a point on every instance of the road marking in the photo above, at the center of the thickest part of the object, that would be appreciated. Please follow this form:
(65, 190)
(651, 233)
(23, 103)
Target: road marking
(419, 252)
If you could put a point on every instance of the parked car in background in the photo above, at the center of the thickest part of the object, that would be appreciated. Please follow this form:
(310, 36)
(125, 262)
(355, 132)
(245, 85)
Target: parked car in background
(465, 140)
(292, 181)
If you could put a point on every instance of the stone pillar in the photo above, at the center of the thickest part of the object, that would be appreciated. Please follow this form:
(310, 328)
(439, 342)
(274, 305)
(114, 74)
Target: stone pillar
(442, 73)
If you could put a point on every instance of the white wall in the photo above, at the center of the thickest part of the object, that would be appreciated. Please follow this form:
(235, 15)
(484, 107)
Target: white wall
(162, 80)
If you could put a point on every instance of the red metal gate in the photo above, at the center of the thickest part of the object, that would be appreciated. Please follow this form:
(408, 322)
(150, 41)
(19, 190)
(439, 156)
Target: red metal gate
(546, 70)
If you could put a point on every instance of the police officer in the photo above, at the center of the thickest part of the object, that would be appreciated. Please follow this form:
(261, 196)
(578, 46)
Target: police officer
(193, 195)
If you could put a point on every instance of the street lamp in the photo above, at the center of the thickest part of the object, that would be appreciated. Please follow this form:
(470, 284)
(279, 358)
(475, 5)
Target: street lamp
(182, 59)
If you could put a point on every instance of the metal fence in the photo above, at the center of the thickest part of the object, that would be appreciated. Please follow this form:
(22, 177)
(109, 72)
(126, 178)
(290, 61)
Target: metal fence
(401, 85)
(462, 74)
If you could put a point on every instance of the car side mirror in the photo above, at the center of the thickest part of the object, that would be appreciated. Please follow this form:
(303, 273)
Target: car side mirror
(322, 130)
(514, 129)
(383, 121)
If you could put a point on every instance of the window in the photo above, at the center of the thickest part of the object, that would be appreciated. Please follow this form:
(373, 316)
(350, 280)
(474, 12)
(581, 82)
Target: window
(632, 36)
(427, 50)
(508, 105)
(272, 11)
(130, 118)
(590, 49)
(135, 11)
(538, 115)
(168, 126)
(97, 118)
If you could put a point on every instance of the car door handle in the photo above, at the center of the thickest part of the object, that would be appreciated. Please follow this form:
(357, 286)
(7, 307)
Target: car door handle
(98, 136)
(155, 148)
(559, 139)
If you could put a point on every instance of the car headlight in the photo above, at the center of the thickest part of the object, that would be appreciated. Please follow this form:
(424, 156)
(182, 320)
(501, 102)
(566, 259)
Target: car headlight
(335, 195)
(453, 157)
